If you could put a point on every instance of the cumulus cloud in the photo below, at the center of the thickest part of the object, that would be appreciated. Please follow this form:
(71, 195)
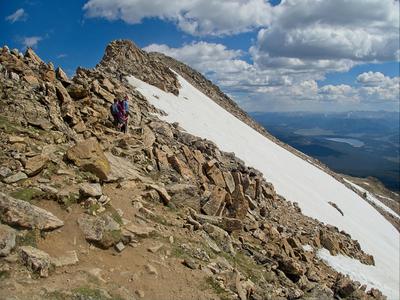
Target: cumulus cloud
(330, 35)
(30, 41)
(196, 17)
(18, 15)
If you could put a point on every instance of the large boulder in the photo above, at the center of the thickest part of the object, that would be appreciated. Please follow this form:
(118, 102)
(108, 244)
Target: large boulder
(89, 156)
(103, 230)
(23, 214)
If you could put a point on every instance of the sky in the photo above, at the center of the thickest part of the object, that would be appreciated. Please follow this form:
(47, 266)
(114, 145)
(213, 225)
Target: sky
(291, 55)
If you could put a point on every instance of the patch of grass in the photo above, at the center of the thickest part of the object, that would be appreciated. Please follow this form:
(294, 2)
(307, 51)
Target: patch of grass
(27, 194)
(88, 293)
(93, 208)
(50, 170)
(57, 295)
(28, 239)
(210, 282)
(114, 214)
(178, 251)
(245, 265)
(159, 219)
(4, 275)
(67, 201)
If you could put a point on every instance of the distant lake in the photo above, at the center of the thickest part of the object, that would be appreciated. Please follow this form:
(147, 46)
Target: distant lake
(351, 142)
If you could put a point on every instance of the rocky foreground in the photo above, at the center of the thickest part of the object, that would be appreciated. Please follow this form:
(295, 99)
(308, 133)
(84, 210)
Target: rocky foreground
(90, 213)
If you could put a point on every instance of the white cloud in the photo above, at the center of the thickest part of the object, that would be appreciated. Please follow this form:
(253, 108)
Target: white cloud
(18, 15)
(329, 35)
(276, 88)
(196, 17)
(30, 41)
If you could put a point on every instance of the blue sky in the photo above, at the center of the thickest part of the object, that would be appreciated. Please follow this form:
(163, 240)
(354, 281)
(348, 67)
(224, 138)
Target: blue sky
(269, 56)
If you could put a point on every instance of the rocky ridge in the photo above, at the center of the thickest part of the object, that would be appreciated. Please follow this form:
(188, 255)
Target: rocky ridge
(158, 193)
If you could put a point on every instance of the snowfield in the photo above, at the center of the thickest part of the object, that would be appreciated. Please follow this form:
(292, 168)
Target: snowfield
(295, 179)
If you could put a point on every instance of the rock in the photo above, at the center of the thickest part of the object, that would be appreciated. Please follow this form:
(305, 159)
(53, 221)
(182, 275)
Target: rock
(291, 267)
(35, 165)
(77, 91)
(36, 260)
(214, 204)
(140, 231)
(60, 74)
(180, 167)
(151, 269)
(210, 242)
(4, 172)
(166, 198)
(239, 203)
(190, 263)
(227, 224)
(230, 183)
(155, 248)
(148, 137)
(121, 169)
(15, 178)
(31, 79)
(329, 243)
(90, 190)
(7, 240)
(215, 175)
(140, 293)
(221, 237)
(21, 213)
(89, 156)
(70, 258)
(320, 292)
(120, 247)
(344, 286)
(13, 139)
(102, 230)
(30, 54)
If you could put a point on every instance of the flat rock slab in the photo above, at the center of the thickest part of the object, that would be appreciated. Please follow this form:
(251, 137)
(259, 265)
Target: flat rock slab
(15, 178)
(120, 169)
(90, 190)
(140, 231)
(21, 213)
(70, 258)
(7, 239)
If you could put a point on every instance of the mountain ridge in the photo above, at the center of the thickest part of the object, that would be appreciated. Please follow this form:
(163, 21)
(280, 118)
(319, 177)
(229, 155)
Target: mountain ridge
(49, 124)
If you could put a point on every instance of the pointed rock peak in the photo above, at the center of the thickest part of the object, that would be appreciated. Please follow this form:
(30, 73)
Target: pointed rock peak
(118, 51)
(33, 56)
(123, 57)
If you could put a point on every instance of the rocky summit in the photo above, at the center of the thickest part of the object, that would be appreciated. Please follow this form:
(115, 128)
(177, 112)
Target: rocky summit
(88, 212)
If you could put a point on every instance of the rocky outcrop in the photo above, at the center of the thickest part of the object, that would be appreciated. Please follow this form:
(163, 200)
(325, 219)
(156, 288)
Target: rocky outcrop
(125, 58)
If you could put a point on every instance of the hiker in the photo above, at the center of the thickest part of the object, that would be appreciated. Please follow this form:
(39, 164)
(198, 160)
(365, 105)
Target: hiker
(122, 116)
(114, 112)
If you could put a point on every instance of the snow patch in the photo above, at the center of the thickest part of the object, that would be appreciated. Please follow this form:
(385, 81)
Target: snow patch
(294, 178)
